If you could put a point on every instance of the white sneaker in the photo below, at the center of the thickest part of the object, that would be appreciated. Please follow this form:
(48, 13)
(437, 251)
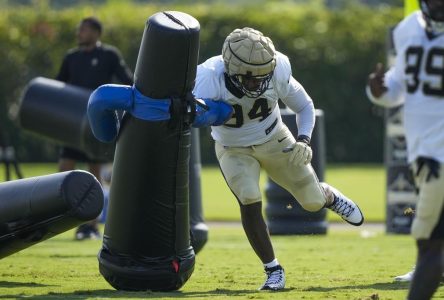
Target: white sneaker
(275, 279)
(346, 208)
(406, 277)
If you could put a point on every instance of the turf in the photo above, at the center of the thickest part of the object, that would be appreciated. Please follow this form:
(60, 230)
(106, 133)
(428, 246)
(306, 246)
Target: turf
(347, 263)
(363, 183)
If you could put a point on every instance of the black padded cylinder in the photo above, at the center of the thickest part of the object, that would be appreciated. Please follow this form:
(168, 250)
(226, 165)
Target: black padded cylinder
(146, 244)
(57, 111)
(147, 230)
(283, 213)
(169, 44)
(38, 208)
(199, 230)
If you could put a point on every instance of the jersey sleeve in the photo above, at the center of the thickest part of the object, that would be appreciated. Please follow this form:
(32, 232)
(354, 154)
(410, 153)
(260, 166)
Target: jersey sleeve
(293, 94)
(121, 70)
(63, 74)
(207, 83)
(394, 77)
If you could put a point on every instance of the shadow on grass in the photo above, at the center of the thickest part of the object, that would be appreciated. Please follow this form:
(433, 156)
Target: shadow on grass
(382, 286)
(139, 295)
(12, 284)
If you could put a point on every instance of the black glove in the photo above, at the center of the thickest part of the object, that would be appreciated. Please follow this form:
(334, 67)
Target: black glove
(432, 164)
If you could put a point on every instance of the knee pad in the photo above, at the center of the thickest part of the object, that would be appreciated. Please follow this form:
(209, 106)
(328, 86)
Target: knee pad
(309, 194)
(246, 190)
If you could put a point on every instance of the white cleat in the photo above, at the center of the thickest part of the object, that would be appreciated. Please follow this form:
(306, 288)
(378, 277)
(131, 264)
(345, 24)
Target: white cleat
(346, 208)
(275, 279)
(406, 277)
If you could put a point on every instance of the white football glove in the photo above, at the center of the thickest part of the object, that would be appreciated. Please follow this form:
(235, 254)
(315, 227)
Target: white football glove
(301, 153)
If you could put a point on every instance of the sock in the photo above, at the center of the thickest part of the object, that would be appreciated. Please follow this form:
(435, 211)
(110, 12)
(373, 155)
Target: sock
(329, 197)
(271, 264)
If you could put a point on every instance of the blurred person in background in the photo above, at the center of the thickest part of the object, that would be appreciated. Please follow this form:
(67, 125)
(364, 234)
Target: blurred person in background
(416, 81)
(8, 158)
(90, 65)
(252, 76)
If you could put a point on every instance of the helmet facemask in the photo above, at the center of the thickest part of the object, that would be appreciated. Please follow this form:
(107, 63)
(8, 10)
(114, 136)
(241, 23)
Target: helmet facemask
(433, 12)
(250, 60)
(252, 86)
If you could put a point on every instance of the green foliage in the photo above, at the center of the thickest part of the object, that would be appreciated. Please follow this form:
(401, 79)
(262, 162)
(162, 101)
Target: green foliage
(331, 51)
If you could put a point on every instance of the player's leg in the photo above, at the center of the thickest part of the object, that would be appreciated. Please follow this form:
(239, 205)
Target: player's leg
(93, 225)
(428, 270)
(337, 202)
(67, 160)
(241, 172)
(7, 171)
(428, 230)
(95, 168)
(301, 180)
(17, 169)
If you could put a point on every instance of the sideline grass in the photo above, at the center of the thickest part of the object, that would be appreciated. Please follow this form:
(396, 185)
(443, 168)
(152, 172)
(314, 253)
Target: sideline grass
(347, 263)
(344, 264)
(363, 183)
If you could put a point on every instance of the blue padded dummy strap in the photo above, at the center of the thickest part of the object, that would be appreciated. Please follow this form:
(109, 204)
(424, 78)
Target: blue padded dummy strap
(149, 109)
(108, 98)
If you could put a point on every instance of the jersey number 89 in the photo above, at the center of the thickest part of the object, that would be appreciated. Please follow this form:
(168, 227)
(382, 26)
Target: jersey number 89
(434, 66)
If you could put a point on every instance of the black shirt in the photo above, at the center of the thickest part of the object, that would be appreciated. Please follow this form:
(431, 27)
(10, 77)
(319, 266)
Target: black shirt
(91, 69)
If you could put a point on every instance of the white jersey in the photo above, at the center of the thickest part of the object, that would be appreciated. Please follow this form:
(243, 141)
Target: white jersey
(417, 81)
(255, 120)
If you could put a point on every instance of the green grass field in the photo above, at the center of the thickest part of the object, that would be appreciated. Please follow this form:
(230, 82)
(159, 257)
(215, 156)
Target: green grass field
(347, 263)
(363, 183)
(344, 264)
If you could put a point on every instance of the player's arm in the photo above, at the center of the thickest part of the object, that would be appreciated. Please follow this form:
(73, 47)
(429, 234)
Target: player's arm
(375, 81)
(300, 102)
(387, 88)
(384, 88)
(121, 70)
(63, 74)
(210, 109)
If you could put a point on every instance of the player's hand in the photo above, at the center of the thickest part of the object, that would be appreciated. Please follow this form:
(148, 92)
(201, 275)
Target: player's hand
(376, 81)
(301, 153)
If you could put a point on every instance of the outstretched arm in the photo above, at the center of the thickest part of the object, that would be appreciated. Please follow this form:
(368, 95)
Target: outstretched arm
(384, 88)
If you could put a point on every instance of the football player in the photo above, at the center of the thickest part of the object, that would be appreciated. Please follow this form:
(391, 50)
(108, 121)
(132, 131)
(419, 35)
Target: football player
(416, 80)
(252, 76)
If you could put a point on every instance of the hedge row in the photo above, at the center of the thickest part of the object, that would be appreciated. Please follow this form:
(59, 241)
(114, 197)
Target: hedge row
(331, 54)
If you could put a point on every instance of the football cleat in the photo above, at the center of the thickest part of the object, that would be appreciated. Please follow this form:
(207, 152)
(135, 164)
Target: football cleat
(406, 277)
(275, 279)
(87, 231)
(346, 208)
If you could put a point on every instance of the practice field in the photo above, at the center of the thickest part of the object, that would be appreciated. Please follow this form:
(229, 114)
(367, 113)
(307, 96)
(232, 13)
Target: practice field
(346, 263)
(365, 184)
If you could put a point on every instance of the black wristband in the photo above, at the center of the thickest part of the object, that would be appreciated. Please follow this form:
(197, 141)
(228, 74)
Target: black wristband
(304, 139)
